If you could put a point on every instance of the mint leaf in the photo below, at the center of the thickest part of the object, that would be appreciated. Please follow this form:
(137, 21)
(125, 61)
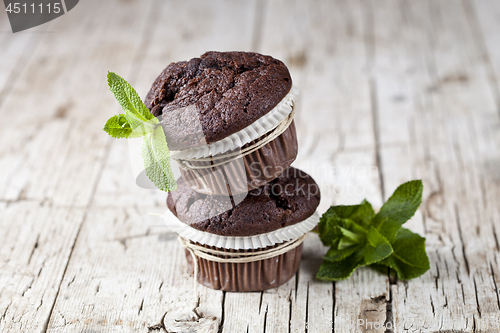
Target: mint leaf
(409, 259)
(339, 265)
(330, 229)
(364, 214)
(410, 248)
(341, 211)
(361, 214)
(335, 254)
(327, 231)
(137, 120)
(352, 236)
(345, 243)
(129, 100)
(340, 261)
(156, 158)
(340, 270)
(378, 247)
(375, 249)
(139, 127)
(118, 127)
(400, 207)
(382, 268)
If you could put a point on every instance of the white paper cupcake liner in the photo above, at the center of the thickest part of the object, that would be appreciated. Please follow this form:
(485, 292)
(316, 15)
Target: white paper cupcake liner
(241, 243)
(255, 130)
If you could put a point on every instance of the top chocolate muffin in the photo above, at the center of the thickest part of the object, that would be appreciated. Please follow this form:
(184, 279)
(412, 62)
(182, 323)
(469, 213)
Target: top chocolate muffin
(206, 99)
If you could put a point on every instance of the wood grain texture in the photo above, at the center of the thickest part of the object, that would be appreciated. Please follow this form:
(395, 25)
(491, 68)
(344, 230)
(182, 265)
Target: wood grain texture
(436, 82)
(390, 90)
(31, 269)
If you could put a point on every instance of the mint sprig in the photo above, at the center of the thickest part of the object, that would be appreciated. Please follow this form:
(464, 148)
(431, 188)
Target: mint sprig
(136, 122)
(359, 237)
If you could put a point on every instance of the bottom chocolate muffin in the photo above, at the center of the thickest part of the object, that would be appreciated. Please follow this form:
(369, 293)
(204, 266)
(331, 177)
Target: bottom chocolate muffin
(270, 223)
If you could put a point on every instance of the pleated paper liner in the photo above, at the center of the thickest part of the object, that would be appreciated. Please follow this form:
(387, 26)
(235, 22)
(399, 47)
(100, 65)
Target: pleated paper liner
(243, 174)
(272, 238)
(249, 276)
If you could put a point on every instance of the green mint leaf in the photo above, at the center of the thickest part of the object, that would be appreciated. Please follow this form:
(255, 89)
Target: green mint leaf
(339, 263)
(118, 127)
(361, 214)
(382, 268)
(345, 243)
(378, 247)
(335, 254)
(403, 271)
(341, 211)
(400, 207)
(327, 229)
(409, 247)
(352, 236)
(156, 158)
(364, 214)
(340, 270)
(128, 99)
(409, 259)
(330, 229)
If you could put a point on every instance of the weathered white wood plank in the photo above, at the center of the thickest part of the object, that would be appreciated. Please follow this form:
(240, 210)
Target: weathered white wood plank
(440, 92)
(486, 14)
(244, 313)
(54, 156)
(471, 106)
(37, 241)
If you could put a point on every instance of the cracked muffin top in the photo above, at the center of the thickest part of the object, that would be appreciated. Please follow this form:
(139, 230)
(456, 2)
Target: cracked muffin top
(286, 200)
(206, 99)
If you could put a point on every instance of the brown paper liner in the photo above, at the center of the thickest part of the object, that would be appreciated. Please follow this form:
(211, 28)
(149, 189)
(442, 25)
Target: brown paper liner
(249, 172)
(252, 276)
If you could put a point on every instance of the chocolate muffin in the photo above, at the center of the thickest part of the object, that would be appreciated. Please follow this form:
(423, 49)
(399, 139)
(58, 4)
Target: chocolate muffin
(284, 201)
(206, 99)
(215, 225)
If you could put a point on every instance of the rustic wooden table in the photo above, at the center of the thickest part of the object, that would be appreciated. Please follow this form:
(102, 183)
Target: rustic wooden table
(389, 91)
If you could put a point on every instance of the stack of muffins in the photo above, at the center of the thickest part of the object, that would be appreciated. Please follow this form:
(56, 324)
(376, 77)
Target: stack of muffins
(242, 210)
